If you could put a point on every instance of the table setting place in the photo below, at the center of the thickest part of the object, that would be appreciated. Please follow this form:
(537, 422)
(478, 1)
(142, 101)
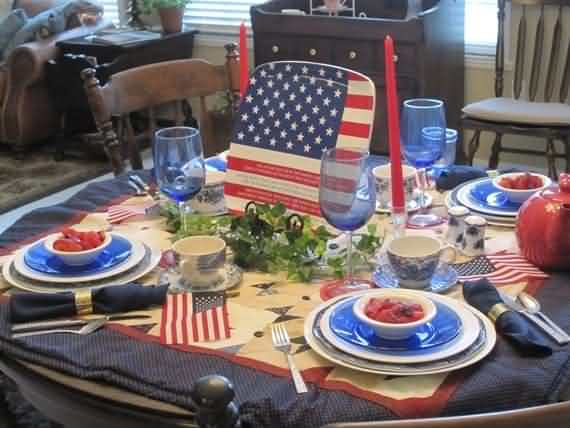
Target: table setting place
(400, 282)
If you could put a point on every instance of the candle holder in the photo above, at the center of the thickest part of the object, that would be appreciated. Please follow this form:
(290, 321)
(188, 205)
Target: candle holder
(399, 217)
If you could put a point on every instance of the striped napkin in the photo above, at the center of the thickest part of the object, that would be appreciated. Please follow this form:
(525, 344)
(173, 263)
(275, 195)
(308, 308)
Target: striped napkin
(118, 213)
(194, 317)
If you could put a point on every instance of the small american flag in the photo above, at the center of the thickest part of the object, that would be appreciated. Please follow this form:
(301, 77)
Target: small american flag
(290, 114)
(119, 213)
(499, 269)
(194, 317)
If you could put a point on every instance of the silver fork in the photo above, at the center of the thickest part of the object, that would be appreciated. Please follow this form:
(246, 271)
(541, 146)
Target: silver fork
(88, 328)
(282, 343)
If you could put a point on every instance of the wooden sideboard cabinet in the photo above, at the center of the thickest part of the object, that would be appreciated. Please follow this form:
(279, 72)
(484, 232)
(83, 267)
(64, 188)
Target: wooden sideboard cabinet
(429, 45)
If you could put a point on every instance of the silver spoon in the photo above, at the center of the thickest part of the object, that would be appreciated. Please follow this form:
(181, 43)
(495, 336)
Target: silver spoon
(533, 306)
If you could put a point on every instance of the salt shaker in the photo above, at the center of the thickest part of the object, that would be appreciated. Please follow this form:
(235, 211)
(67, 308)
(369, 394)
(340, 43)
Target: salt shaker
(473, 243)
(456, 225)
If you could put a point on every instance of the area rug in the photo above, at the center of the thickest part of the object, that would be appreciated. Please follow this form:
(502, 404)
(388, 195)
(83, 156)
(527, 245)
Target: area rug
(39, 175)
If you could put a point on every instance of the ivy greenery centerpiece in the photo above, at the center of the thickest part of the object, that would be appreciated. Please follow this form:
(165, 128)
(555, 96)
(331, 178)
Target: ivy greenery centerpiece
(268, 239)
(171, 13)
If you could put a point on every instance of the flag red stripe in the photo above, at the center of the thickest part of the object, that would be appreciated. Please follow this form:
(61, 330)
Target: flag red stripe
(185, 320)
(163, 320)
(359, 101)
(353, 129)
(195, 335)
(354, 76)
(205, 329)
(216, 325)
(250, 193)
(226, 323)
(173, 320)
(273, 171)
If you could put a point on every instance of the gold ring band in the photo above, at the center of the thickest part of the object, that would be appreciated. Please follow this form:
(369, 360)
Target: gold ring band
(83, 303)
(496, 311)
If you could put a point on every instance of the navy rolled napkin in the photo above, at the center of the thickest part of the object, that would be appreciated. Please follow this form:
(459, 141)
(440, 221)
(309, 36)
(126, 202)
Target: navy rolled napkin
(107, 300)
(516, 329)
(455, 175)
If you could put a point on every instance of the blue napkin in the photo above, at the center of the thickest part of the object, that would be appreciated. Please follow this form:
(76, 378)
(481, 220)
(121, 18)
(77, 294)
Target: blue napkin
(107, 300)
(216, 163)
(516, 329)
(453, 176)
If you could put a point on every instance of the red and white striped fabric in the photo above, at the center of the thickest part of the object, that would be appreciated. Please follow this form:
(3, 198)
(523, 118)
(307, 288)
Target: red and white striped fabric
(501, 268)
(194, 317)
(291, 113)
(119, 213)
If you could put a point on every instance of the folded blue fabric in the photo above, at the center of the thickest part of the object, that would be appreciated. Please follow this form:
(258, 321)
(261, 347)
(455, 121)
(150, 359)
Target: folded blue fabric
(107, 300)
(511, 325)
(455, 175)
(216, 163)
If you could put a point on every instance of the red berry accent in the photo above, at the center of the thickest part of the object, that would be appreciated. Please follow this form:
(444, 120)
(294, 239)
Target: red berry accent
(394, 312)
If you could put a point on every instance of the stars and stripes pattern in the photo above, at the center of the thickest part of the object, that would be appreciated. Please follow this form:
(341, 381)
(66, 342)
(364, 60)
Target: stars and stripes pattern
(499, 269)
(194, 317)
(290, 114)
(118, 213)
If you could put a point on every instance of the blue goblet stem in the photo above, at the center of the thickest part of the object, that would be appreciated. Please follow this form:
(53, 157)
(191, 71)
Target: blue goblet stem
(349, 270)
(182, 211)
(422, 177)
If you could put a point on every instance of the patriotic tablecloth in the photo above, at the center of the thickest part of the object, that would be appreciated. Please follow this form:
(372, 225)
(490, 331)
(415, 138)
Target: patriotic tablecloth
(143, 357)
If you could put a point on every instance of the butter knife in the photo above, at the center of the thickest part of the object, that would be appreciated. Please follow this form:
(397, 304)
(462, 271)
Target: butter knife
(46, 325)
(514, 305)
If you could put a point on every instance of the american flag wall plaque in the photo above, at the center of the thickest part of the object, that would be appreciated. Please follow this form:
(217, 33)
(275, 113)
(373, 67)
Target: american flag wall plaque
(291, 113)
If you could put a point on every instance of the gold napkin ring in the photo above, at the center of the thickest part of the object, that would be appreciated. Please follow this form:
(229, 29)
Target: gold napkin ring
(496, 311)
(83, 303)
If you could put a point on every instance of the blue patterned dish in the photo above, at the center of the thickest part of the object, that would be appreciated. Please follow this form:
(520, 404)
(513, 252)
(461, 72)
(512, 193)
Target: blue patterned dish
(489, 196)
(39, 259)
(442, 329)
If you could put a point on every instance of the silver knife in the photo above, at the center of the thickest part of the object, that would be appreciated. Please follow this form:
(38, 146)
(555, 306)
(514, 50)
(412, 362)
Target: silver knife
(45, 325)
(514, 305)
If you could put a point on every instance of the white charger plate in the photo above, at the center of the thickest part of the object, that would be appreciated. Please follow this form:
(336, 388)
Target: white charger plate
(137, 254)
(466, 337)
(150, 260)
(464, 198)
(488, 338)
(492, 220)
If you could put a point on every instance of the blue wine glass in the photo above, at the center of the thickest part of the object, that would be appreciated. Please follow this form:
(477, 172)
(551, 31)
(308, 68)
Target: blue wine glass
(179, 165)
(423, 139)
(347, 196)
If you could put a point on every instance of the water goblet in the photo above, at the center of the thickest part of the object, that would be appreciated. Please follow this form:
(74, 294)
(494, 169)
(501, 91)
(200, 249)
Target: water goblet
(179, 165)
(347, 197)
(423, 139)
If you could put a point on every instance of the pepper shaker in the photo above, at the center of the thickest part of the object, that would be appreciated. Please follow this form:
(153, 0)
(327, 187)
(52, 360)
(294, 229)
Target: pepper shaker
(456, 225)
(473, 243)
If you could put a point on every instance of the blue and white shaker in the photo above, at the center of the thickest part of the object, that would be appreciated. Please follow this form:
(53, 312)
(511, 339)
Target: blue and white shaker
(456, 225)
(473, 243)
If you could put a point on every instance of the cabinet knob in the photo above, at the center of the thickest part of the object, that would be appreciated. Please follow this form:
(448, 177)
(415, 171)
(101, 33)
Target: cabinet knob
(352, 55)
(275, 49)
(312, 51)
(395, 58)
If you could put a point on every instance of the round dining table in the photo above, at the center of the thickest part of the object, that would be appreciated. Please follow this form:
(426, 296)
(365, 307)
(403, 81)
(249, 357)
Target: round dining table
(131, 373)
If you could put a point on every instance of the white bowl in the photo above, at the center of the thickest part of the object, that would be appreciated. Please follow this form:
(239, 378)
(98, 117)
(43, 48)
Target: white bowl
(395, 331)
(520, 195)
(78, 258)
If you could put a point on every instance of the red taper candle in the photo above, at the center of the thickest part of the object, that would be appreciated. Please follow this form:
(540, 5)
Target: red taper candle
(243, 60)
(397, 179)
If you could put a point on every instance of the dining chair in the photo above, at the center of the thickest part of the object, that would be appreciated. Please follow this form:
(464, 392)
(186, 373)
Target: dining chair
(550, 415)
(538, 106)
(148, 87)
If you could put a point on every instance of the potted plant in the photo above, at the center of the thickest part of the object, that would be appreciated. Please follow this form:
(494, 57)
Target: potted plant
(171, 13)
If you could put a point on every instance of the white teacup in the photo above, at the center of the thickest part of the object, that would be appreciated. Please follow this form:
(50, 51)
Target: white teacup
(414, 259)
(382, 174)
(201, 260)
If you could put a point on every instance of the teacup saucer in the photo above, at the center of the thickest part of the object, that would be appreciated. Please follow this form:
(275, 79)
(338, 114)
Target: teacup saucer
(232, 277)
(442, 280)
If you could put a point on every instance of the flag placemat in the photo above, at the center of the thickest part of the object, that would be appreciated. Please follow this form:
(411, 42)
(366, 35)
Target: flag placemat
(118, 213)
(291, 113)
(499, 269)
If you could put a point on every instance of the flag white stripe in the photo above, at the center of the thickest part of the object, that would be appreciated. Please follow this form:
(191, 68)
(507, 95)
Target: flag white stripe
(356, 115)
(359, 87)
(179, 319)
(275, 184)
(350, 141)
(270, 157)
(169, 311)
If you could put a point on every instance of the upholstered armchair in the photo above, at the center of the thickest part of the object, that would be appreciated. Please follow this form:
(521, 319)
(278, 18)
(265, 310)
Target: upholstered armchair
(26, 112)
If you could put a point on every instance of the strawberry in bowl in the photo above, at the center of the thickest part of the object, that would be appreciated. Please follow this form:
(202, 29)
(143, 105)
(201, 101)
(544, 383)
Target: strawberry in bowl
(520, 186)
(394, 314)
(77, 248)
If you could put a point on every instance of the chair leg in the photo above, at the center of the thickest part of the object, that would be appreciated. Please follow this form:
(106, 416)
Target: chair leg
(495, 151)
(473, 147)
(133, 146)
(567, 153)
(551, 159)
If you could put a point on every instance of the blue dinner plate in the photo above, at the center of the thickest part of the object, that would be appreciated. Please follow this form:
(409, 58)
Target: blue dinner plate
(442, 329)
(488, 196)
(41, 260)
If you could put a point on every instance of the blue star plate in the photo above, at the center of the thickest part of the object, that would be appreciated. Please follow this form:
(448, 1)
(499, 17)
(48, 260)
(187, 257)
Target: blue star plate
(41, 260)
(442, 329)
(491, 197)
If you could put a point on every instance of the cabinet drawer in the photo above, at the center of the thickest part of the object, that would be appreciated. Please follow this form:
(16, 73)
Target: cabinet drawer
(356, 55)
(273, 49)
(314, 49)
(293, 48)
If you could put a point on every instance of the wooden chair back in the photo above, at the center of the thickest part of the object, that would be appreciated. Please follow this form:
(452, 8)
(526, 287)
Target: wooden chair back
(550, 415)
(149, 86)
(549, 57)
